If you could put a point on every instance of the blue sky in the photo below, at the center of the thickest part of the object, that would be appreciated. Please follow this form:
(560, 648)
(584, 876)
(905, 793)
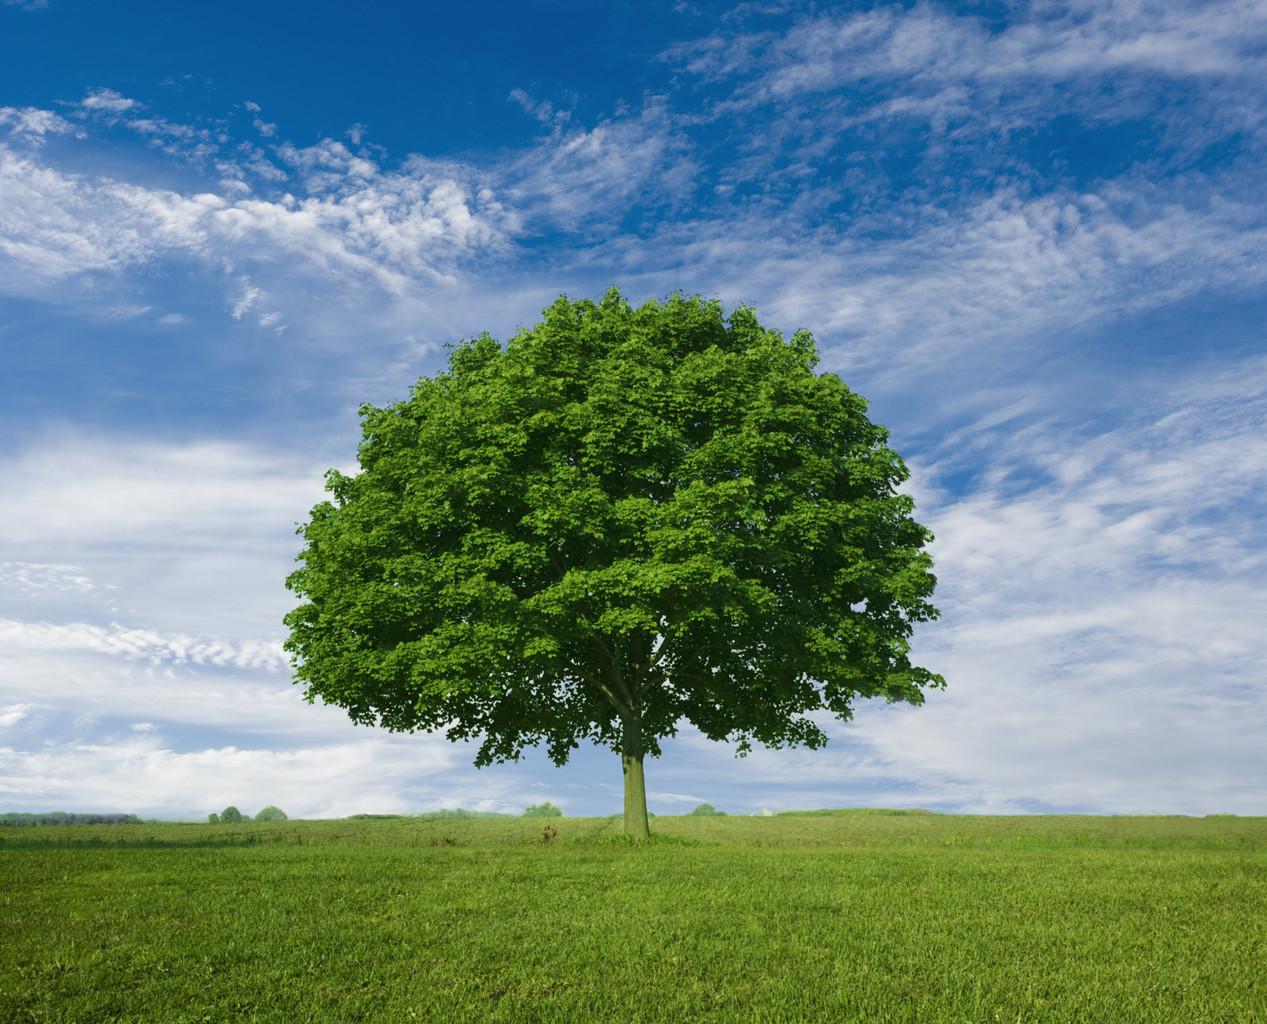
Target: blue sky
(1034, 236)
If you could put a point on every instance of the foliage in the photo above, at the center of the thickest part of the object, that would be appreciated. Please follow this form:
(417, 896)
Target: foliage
(545, 810)
(624, 518)
(231, 816)
(705, 810)
(63, 818)
(271, 813)
(939, 919)
(213, 818)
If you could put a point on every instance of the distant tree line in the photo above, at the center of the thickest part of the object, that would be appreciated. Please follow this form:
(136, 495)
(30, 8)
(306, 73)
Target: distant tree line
(64, 818)
(545, 810)
(444, 812)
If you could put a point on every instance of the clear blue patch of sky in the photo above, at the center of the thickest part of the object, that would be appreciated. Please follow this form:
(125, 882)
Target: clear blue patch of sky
(422, 77)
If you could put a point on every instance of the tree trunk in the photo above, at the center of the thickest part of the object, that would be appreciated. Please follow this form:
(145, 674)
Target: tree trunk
(635, 786)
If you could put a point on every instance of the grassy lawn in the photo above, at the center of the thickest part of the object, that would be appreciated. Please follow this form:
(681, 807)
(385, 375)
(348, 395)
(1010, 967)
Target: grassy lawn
(829, 917)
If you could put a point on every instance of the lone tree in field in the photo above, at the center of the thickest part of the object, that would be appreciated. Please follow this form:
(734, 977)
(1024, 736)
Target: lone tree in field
(624, 518)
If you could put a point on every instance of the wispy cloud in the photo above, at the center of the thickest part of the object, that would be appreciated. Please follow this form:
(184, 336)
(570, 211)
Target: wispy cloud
(11, 714)
(34, 124)
(107, 100)
(928, 45)
(44, 576)
(142, 644)
(379, 229)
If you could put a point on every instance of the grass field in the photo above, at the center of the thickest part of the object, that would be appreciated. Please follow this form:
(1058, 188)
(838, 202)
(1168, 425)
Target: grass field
(849, 916)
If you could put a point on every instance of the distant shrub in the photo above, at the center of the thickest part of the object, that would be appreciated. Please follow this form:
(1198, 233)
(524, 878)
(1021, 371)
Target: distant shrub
(545, 810)
(213, 818)
(707, 810)
(271, 813)
(231, 815)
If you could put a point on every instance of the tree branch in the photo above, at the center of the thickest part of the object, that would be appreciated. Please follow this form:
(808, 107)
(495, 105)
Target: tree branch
(617, 677)
(622, 709)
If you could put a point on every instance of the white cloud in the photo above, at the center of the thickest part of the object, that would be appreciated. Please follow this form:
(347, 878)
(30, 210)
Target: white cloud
(400, 232)
(42, 576)
(249, 297)
(541, 110)
(34, 123)
(107, 100)
(575, 178)
(144, 727)
(11, 714)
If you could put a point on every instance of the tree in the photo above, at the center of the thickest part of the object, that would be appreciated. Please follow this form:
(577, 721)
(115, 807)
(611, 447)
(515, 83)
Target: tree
(622, 519)
(213, 818)
(707, 810)
(271, 813)
(545, 810)
(231, 816)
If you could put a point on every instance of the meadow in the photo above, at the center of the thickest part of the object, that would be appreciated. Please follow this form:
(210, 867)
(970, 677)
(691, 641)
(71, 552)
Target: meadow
(845, 916)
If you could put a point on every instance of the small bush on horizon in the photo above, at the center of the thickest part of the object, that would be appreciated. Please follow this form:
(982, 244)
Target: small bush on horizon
(545, 810)
(213, 818)
(707, 810)
(231, 816)
(271, 813)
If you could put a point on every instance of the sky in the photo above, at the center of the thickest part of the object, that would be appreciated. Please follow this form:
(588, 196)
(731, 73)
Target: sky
(1033, 236)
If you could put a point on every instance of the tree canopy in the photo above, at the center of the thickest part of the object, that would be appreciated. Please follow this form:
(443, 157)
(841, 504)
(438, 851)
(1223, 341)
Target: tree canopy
(622, 519)
(271, 813)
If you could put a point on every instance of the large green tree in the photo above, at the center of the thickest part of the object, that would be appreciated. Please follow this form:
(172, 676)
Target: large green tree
(622, 519)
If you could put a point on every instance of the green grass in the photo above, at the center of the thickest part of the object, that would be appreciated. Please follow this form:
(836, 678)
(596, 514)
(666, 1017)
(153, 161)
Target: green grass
(834, 917)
